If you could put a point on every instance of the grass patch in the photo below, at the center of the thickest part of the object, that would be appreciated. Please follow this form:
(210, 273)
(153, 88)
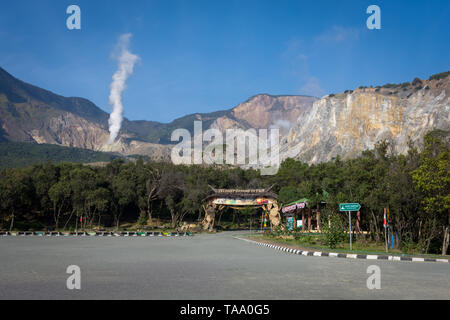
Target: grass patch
(316, 242)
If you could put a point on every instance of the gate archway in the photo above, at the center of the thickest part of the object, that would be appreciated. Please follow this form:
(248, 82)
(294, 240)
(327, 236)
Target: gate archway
(239, 199)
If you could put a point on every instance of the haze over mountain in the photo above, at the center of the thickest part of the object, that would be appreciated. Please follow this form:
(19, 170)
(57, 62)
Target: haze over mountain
(313, 129)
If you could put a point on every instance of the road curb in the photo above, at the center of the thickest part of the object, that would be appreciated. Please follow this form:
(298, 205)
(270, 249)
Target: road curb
(94, 234)
(344, 255)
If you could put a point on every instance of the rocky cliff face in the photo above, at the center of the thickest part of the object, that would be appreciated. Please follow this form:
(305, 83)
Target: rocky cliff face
(264, 111)
(348, 123)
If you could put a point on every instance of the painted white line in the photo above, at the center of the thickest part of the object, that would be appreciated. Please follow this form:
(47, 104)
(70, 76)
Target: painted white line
(393, 258)
(442, 260)
(333, 254)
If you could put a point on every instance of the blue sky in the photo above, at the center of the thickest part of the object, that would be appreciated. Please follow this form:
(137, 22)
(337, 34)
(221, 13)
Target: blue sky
(202, 56)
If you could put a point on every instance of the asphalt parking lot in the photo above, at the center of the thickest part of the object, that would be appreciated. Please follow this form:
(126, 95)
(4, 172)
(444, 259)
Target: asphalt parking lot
(207, 266)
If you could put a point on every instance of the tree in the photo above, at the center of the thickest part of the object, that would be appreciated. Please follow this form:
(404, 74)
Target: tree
(83, 181)
(16, 192)
(98, 202)
(433, 179)
(60, 195)
(288, 194)
(171, 192)
(124, 191)
(148, 181)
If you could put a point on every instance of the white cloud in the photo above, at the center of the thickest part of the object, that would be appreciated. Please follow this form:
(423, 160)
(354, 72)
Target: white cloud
(338, 34)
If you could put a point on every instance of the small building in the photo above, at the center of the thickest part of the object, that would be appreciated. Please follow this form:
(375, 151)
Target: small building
(294, 214)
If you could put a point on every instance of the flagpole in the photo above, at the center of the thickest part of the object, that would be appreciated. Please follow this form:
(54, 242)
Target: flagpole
(385, 226)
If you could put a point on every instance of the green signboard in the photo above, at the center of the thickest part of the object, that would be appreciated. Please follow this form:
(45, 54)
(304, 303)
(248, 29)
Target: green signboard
(349, 207)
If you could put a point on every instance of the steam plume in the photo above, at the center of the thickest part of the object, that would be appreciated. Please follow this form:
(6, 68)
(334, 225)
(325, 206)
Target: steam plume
(125, 69)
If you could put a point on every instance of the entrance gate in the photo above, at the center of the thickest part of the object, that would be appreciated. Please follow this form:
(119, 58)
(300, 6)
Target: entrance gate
(239, 199)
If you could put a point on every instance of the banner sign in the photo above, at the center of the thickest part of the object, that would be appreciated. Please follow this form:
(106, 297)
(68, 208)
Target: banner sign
(293, 207)
(242, 202)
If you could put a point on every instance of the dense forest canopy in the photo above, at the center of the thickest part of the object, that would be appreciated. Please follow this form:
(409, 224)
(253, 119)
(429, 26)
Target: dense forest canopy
(414, 186)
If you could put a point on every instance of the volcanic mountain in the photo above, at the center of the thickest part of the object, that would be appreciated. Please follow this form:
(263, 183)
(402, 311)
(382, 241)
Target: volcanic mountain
(313, 130)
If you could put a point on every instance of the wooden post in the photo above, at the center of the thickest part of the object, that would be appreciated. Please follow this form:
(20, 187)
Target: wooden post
(318, 220)
(262, 217)
(303, 219)
(309, 219)
(358, 221)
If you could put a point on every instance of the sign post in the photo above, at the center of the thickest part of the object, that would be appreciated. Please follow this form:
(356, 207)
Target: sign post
(350, 228)
(349, 207)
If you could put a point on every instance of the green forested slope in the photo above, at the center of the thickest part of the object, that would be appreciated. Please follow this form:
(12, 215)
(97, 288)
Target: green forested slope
(18, 154)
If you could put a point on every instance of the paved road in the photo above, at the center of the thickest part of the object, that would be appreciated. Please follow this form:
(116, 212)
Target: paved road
(200, 267)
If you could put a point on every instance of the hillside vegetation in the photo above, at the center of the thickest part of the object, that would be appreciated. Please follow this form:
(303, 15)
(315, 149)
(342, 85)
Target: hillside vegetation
(20, 154)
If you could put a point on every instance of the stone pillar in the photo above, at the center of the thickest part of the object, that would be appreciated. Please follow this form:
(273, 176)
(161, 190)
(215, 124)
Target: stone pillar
(210, 215)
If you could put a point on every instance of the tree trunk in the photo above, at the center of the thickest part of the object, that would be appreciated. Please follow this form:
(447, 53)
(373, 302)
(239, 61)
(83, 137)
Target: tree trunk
(199, 215)
(446, 240)
(149, 211)
(375, 223)
(57, 218)
(12, 222)
(220, 218)
(428, 240)
(174, 220)
(70, 217)
(149, 216)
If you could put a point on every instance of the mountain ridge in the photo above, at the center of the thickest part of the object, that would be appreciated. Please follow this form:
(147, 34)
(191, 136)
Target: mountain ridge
(312, 129)
(19, 92)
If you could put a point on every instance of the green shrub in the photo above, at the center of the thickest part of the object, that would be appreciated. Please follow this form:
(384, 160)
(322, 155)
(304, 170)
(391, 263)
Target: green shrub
(142, 220)
(408, 245)
(439, 76)
(335, 231)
